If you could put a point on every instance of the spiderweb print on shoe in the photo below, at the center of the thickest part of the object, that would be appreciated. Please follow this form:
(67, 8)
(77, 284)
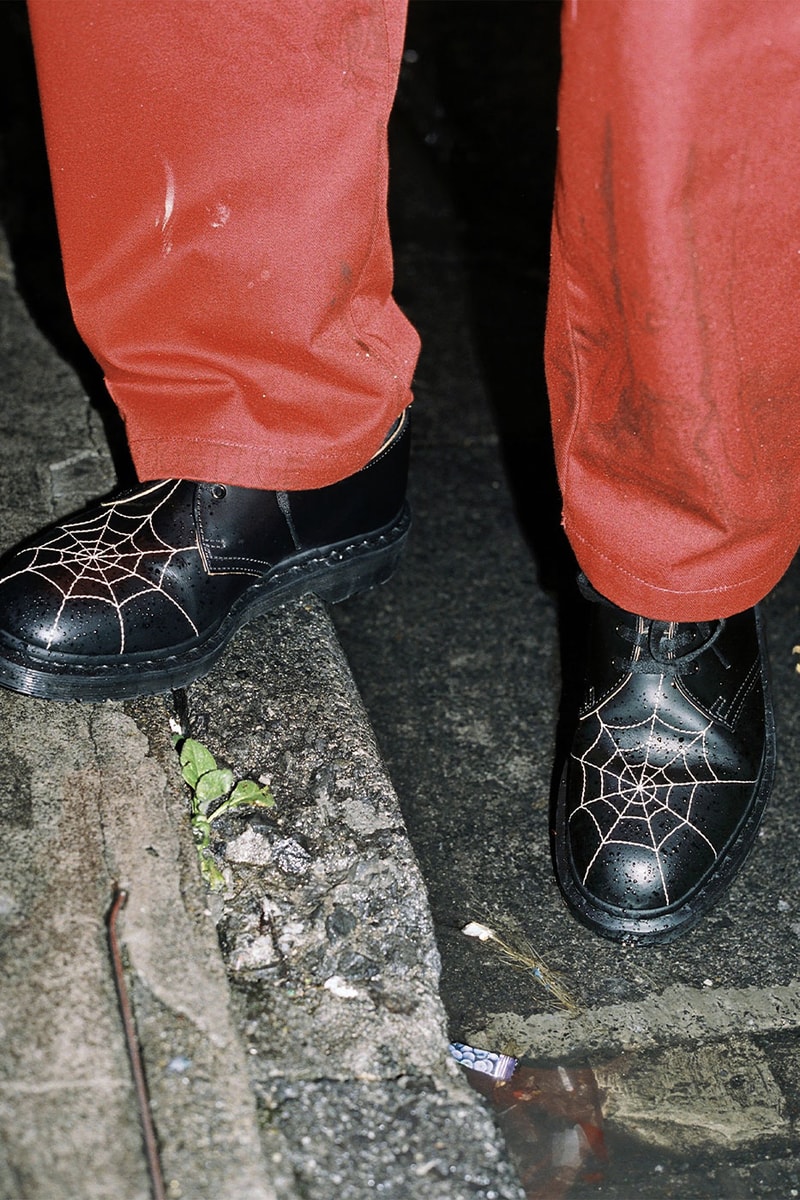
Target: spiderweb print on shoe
(644, 793)
(112, 559)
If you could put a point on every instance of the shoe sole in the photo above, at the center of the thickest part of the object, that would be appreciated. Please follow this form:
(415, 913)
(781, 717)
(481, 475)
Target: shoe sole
(665, 925)
(332, 573)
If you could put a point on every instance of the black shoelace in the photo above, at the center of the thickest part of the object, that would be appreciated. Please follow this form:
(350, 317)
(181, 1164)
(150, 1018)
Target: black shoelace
(661, 647)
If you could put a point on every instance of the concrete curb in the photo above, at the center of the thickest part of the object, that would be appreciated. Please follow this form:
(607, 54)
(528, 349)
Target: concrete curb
(676, 1016)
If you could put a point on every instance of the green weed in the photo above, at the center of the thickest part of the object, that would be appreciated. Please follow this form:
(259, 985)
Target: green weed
(215, 791)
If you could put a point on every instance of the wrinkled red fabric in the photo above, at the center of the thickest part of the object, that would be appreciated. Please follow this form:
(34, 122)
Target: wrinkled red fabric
(220, 175)
(672, 343)
(220, 172)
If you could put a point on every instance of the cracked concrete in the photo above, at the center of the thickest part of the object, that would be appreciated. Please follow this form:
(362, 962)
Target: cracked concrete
(326, 931)
(102, 811)
(667, 1017)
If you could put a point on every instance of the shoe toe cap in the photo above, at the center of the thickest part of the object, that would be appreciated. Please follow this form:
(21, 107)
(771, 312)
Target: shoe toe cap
(51, 613)
(641, 877)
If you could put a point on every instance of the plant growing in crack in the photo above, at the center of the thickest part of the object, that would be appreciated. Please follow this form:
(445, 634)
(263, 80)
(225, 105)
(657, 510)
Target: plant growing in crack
(211, 785)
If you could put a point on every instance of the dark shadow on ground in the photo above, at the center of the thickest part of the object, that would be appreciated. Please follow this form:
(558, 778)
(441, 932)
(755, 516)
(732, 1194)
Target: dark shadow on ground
(28, 218)
(479, 91)
(479, 87)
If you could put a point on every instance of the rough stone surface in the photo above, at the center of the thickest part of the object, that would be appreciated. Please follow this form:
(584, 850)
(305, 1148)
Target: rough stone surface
(718, 1094)
(99, 810)
(672, 1016)
(327, 935)
(84, 805)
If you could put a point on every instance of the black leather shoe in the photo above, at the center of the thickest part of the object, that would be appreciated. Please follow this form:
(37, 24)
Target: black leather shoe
(142, 593)
(669, 772)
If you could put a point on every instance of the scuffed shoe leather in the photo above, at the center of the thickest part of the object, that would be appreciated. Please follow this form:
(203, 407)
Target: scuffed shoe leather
(669, 772)
(143, 592)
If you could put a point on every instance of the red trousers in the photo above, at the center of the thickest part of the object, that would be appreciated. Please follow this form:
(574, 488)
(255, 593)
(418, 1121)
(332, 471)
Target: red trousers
(672, 351)
(220, 172)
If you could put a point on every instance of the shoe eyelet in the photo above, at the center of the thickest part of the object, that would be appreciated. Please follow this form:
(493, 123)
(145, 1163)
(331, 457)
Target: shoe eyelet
(219, 491)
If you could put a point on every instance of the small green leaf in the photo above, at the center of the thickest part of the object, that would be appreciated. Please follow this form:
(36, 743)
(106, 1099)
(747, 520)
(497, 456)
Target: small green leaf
(247, 791)
(196, 760)
(246, 794)
(212, 785)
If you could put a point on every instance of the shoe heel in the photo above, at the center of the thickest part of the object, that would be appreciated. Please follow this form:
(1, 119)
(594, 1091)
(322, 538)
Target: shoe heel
(360, 574)
(365, 569)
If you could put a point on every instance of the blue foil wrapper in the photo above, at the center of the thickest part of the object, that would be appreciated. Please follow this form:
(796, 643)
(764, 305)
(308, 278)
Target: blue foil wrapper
(488, 1062)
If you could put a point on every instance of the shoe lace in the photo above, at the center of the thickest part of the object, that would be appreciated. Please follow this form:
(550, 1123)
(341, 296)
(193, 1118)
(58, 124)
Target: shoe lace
(662, 647)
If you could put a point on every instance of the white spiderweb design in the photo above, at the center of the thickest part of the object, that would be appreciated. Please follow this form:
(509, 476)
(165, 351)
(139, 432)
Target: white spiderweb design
(640, 785)
(113, 558)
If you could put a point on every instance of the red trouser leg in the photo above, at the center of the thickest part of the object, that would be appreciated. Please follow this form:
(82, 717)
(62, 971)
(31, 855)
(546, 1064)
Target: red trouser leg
(219, 171)
(672, 349)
